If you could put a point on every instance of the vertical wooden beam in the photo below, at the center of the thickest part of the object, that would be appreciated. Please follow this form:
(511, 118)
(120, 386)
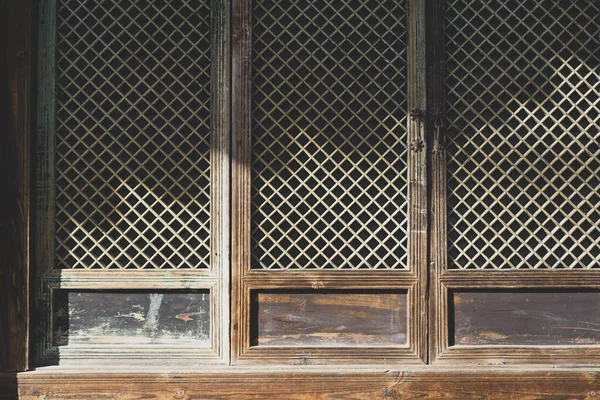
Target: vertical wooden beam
(417, 169)
(436, 87)
(220, 169)
(15, 75)
(241, 165)
(42, 255)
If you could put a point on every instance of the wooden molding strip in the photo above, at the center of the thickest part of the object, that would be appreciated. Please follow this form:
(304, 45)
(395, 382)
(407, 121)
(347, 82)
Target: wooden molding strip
(319, 384)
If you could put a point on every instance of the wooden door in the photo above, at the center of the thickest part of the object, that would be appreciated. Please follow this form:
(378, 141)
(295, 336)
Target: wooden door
(515, 197)
(329, 182)
(131, 220)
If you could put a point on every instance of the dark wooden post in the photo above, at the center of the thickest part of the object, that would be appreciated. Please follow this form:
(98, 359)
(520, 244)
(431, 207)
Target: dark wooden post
(15, 122)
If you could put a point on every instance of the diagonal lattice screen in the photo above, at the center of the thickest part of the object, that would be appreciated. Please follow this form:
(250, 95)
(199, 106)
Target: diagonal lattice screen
(524, 148)
(329, 134)
(132, 141)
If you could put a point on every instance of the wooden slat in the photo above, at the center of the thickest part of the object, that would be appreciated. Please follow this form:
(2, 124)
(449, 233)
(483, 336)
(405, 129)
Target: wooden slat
(389, 385)
(15, 123)
(521, 278)
(43, 240)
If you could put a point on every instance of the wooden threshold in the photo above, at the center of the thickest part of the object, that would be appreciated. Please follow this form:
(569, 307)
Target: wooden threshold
(391, 384)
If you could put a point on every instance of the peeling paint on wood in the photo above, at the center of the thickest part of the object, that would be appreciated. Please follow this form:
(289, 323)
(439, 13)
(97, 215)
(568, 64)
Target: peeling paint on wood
(83, 317)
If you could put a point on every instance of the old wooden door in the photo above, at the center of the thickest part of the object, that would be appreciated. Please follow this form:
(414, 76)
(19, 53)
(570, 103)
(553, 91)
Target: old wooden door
(381, 182)
(515, 238)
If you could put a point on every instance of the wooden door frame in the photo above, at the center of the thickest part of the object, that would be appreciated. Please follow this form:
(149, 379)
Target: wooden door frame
(445, 281)
(246, 280)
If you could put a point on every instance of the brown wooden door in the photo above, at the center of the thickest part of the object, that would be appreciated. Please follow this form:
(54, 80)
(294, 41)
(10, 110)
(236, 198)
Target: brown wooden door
(515, 207)
(131, 219)
(329, 200)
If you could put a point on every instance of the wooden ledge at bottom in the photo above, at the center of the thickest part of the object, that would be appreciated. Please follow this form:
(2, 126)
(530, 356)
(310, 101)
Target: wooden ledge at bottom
(431, 383)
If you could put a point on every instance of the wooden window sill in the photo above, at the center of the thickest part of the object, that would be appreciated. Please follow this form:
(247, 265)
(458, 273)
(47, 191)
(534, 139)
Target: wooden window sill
(305, 382)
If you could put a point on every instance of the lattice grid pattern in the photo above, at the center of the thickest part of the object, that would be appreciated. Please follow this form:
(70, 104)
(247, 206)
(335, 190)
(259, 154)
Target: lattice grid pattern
(133, 137)
(329, 134)
(524, 148)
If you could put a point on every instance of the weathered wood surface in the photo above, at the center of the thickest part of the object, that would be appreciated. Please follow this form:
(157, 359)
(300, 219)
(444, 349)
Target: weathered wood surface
(220, 158)
(388, 385)
(437, 185)
(418, 190)
(8, 386)
(102, 317)
(15, 123)
(245, 279)
(330, 319)
(522, 318)
(241, 124)
(216, 277)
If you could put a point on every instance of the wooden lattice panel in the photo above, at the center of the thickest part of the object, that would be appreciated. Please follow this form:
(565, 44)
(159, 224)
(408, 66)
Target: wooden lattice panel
(524, 148)
(329, 134)
(133, 137)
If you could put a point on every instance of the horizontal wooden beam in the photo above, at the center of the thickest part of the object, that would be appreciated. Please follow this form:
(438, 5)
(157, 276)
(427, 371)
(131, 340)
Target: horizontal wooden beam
(317, 384)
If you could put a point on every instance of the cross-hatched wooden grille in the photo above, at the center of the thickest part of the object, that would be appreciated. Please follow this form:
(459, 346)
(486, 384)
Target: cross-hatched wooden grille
(524, 147)
(329, 134)
(132, 141)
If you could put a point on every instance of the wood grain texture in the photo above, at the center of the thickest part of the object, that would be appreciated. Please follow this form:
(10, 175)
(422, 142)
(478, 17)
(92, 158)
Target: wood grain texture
(330, 319)
(322, 355)
(502, 354)
(15, 123)
(418, 191)
(111, 318)
(526, 318)
(273, 385)
(43, 241)
(437, 174)
(241, 124)
(443, 279)
(215, 278)
(220, 157)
